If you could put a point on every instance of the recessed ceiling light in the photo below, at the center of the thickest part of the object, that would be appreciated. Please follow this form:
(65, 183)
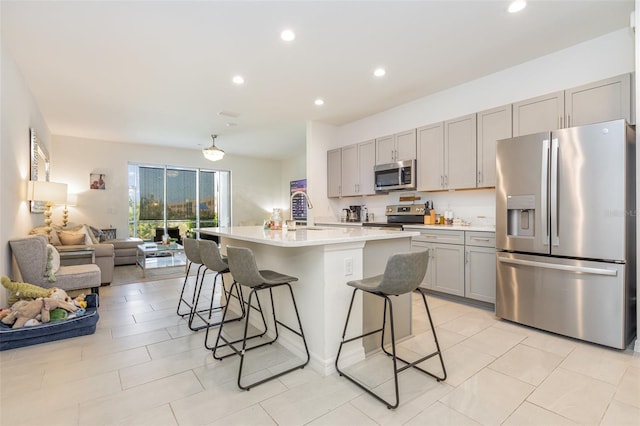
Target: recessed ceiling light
(516, 6)
(379, 72)
(231, 124)
(238, 79)
(319, 102)
(288, 35)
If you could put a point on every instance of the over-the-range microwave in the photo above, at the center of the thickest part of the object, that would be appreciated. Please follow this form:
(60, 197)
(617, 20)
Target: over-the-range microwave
(400, 175)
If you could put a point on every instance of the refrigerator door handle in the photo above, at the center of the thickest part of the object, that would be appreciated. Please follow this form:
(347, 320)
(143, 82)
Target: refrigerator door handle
(544, 194)
(568, 268)
(555, 212)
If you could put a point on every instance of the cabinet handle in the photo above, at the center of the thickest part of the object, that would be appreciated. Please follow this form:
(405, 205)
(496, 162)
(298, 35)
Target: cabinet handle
(568, 120)
(480, 239)
(446, 181)
(479, 177)
(441, 181)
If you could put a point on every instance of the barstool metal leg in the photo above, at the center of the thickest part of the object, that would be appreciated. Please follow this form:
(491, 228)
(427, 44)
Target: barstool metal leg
(388, 308)
(182, 300)
(242, 352)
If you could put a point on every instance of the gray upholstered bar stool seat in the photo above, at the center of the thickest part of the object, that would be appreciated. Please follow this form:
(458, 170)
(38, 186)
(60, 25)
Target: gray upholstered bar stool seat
(245, 272)
(403, 274)
(192, 251)
(215, 262)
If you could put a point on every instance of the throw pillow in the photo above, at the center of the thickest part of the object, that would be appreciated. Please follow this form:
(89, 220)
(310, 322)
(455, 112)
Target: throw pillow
(71, 238)
(49, 271)
(43, 231)
(55, 259)
(95, 233)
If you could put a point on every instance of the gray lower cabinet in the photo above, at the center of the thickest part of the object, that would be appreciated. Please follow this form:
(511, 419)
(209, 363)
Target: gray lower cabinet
(480, 266)
(445, 270)
(461, 263)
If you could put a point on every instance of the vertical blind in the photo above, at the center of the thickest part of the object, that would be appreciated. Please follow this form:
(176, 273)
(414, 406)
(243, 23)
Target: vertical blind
(151, 193)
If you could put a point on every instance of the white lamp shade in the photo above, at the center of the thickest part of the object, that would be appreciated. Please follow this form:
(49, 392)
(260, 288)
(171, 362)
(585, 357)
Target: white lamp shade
(39, 190)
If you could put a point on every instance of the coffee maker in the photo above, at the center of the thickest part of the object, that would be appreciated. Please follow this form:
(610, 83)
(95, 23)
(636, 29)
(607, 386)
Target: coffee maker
(355, 214)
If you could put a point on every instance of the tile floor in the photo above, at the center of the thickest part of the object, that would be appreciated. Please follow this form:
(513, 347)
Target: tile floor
(143, 366)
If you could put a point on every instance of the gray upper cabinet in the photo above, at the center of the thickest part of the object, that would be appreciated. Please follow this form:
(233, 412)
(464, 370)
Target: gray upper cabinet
(540, 114)
(447, 155)
(493, 124)
(349, 170)
(398, 147)
(460, 152)
(430, 162)
(334, 172)
(604, 100)
(357, 169)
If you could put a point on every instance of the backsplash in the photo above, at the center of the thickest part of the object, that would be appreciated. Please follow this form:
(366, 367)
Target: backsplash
(475, 206)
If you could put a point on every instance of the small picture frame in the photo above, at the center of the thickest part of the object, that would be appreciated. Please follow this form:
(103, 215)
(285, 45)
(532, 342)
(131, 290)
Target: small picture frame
(97, 181)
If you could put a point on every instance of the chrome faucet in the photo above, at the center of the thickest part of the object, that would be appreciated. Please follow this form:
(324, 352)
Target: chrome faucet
(304, 194)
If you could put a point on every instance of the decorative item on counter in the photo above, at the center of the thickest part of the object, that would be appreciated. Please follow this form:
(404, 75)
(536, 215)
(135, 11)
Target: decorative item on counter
(448, 217)
(364, 214)
(276, 219)
(439, 219)
(457, 222)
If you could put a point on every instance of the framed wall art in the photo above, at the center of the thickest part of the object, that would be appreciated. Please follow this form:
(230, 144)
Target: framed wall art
(97, 181)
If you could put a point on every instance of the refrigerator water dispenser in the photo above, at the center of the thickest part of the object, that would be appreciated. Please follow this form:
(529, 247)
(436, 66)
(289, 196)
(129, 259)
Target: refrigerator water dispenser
(521, 214)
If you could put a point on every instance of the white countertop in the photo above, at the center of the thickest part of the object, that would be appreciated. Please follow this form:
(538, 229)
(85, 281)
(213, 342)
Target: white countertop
(418, 227)
(452, 227)
(306, 236)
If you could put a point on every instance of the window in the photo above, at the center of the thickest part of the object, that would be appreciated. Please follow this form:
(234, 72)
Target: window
(169, 199)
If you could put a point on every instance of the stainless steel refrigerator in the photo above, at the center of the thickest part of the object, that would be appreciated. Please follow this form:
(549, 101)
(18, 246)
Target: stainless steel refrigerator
(565, 232)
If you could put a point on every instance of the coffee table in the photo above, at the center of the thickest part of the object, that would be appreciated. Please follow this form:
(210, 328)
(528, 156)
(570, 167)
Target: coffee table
(152, 255)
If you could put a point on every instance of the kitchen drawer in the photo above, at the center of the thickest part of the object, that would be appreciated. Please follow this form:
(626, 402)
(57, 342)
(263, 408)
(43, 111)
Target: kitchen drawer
(440, 236)
(480, 239)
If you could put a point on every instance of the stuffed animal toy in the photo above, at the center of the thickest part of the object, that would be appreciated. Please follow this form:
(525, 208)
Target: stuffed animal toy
(39, 309)
(23, 311)
(58, 293)
(52, 304)
(19, 290)
(80, 301)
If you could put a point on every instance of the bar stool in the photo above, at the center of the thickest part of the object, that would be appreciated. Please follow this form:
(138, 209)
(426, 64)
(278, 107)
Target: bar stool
(403, 274)
(213, 261)
(245, 272)
(192, 251)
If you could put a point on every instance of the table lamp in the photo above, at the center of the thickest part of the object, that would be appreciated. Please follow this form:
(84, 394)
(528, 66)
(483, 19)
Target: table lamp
(72, 200)
(49, 192)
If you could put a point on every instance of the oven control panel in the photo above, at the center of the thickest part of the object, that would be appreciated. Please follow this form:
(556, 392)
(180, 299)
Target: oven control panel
(405, 209)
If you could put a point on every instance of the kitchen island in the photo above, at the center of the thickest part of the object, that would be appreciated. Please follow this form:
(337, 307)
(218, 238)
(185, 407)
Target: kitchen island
(324, 259)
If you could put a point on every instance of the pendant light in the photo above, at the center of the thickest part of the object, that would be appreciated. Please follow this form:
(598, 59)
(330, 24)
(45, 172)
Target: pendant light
(213, 153)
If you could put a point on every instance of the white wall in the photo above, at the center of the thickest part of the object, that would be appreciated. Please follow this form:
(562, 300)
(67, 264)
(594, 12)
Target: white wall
(320, 138)
(18, 112)
(603, 57)
(256, 183)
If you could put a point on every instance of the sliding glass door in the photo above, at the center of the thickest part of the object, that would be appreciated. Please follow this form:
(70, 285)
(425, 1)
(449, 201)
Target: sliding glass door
(172, 200)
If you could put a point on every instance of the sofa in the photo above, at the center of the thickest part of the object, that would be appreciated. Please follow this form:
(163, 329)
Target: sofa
(125, 250)
(77, 236)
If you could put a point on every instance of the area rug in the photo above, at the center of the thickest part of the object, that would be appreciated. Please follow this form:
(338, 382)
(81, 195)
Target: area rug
(127, 274)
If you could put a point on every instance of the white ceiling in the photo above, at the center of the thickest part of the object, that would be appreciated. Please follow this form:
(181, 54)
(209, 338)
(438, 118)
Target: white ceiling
(159, 72)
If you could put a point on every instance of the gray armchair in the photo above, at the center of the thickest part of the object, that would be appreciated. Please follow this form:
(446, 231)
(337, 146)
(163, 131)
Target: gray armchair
(31, 255)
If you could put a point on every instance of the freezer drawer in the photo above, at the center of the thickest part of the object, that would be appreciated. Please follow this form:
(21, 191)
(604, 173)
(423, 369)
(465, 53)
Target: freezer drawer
(587, 300)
